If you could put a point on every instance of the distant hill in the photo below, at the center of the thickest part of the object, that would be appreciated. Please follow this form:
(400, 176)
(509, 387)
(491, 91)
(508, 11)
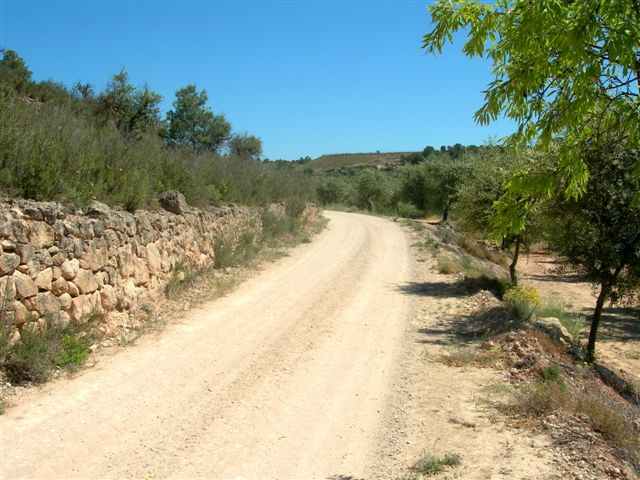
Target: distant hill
(339, 160)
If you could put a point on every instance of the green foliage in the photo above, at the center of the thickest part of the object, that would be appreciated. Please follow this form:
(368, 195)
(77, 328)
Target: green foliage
(38, 353)
(522, 301)
(334, 190)
(192, 124)
(133, 111)
(373, 191)
(14, 72)
(557, 66)
(433, 464)
(245, 146)
(74, 351)
(599, 232)
(551, 373)
(442, 180)
(408, 210)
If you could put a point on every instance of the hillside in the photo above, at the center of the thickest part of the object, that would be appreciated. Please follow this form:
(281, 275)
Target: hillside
(338, 160)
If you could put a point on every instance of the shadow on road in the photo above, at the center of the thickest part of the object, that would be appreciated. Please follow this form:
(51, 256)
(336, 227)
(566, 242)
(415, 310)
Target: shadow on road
(462, 288)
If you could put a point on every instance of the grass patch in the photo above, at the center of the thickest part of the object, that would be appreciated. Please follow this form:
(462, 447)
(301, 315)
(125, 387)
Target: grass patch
(464, 357)
(431, 464)
(447, 265)
(572, 322)
(38, 353)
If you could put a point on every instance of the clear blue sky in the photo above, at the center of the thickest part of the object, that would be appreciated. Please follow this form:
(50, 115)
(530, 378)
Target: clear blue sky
(307, 76)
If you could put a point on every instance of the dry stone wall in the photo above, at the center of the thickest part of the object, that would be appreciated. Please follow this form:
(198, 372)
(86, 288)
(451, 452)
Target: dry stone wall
(61, 265)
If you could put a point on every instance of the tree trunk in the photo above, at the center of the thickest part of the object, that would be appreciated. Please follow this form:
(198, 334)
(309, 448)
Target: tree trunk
(595, 322)
(445, 212)
(513, 272)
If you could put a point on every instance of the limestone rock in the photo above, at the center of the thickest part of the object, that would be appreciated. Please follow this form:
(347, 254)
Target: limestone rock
(108, 298)
(44, 278)
(8, 263)
(59, 286)
(81, 308)
(86, 281)
(46, 303)
(154, 259)
(97, 209)
(21, 314)
(70, 269)
(73, 289)
(41, 235)
(25, 287)
(65, 301)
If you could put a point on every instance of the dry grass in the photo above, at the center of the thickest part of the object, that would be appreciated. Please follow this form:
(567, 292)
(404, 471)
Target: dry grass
(431, 464)
(447, 265)
(487, 358)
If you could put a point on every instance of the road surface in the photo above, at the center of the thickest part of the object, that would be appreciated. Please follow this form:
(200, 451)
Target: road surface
(287, 377)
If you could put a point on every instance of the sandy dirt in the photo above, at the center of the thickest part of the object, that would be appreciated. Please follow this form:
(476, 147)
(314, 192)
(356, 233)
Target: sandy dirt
(286, 377)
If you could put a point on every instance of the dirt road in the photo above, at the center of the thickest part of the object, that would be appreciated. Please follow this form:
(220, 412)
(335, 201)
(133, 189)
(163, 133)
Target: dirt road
(287, 377)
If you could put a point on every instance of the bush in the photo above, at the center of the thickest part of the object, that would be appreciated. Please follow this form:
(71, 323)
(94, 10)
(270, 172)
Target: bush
(407, 210)
(448, 265)
(33, 358)
(434, 464)
(522, 301)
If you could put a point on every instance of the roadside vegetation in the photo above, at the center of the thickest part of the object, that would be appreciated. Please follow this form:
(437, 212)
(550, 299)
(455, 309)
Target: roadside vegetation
(75, 144)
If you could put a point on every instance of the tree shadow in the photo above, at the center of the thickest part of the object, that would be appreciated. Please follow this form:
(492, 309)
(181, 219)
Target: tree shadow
(343, 477)
(620, 323)
(462, 288)
(566, 278)
(476, 327)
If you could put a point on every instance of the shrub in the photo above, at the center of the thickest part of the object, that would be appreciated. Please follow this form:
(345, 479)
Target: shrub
(33, 358)
(522, 301)
(448, 265)
(433, 464)
(572, 322)
(408, 210)
(537, 399)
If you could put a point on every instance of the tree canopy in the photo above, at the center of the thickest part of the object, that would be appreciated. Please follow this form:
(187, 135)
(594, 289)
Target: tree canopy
(191, 123)
(562, 70)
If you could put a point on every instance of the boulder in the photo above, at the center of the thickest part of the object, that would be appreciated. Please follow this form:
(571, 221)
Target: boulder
(65, 301)
(154, 259)
(41, 235)
(22, 315)
(25, 287)
(59, 286)
(8, 263)
(552, 327)
(46, 303)
(44, 278)
(81, 308)
(108, 298)
(86, 281)
(70, 269)
(73, 289)
(173, 202)
(98, 209)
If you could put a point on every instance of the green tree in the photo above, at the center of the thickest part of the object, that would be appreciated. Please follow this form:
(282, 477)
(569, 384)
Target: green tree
(372, 191)
(443, 177)
(14, 72)
(562, 69)
(600, 231)
(192, 124)
(132, 110)
(245, 146)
